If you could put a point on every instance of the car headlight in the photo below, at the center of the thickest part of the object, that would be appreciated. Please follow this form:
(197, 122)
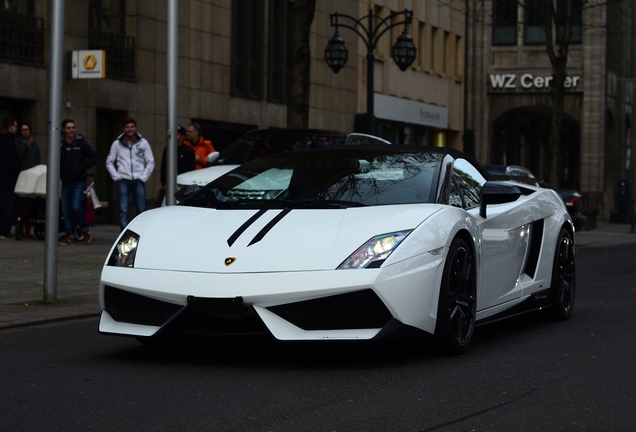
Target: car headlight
(373, 253)
(124, 253)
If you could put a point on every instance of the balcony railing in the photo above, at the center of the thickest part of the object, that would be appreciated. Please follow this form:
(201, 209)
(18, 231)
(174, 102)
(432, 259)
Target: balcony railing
(120, 52)
(21, 37)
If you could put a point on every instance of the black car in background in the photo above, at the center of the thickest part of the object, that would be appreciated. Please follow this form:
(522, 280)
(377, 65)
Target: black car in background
(572, 198)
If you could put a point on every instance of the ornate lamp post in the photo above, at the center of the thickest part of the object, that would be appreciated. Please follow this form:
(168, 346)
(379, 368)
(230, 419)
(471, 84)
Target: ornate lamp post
(403, 52)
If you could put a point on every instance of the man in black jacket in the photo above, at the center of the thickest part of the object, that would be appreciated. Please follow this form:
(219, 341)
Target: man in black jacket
(9, 171)
(185, 161)
(76, 156)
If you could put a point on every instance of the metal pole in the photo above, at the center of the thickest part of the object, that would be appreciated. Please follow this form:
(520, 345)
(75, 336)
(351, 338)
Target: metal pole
(370, 77)
(370, 107)
(53, 169)
(171, 103)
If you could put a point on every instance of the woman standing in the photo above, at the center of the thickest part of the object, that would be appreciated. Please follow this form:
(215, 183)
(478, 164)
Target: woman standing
(28, 148)
(29, 156)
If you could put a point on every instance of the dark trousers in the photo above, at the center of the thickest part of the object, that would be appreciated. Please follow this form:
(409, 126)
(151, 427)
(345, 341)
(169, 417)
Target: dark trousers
(7, 198)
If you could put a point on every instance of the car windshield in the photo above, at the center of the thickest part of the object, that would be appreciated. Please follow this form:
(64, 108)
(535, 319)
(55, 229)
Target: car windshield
(335, 178)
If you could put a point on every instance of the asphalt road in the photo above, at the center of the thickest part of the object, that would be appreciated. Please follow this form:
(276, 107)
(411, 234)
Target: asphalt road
(524, 374)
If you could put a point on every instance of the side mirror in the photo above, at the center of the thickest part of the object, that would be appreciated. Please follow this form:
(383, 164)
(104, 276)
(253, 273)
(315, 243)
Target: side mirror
(495, 192)
(212, 157)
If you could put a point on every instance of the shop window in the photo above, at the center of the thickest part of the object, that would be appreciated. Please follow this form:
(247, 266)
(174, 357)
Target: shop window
(107, 31)
(21, 33)
(248, 35)
(504, 22)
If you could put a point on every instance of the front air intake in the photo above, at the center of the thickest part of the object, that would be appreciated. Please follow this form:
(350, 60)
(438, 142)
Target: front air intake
(126, 307)
(357, 310)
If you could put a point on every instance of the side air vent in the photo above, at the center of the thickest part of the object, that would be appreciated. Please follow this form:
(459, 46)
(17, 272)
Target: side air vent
(124, 306)
(536, 239)
(358, 310)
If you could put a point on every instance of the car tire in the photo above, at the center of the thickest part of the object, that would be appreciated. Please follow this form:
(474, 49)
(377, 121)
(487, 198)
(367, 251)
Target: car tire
(563, 284)
(457, 308)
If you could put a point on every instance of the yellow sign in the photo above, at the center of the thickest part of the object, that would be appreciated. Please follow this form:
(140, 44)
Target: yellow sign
(88, 64)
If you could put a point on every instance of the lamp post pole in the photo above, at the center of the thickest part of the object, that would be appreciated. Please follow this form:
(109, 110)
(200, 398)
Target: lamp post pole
(403, 52)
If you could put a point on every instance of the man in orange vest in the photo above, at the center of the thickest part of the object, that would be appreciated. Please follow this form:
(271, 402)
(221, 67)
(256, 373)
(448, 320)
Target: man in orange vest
(202, 147)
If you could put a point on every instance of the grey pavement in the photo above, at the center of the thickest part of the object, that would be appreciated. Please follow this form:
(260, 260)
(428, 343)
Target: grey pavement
(79, 269)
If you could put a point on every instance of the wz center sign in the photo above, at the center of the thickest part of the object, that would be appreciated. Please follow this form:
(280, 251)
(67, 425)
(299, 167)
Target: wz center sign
(529, 82)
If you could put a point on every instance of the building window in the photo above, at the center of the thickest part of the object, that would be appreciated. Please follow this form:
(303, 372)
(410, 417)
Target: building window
(577, 19)
(107, 31)
(446, 58)
(421, 39)
(278, 49)
(434, 37)
(504, 22)
(248, 36)
(459, 58)
(21, 33)
(534, 29)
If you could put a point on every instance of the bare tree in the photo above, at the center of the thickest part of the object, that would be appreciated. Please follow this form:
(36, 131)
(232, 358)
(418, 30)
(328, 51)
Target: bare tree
(557, 47)
(556, 18)
(298, 80)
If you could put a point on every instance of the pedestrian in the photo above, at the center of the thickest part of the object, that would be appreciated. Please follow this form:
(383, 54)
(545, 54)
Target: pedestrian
(202, 147)
(76, 156)
(130, 163)
(28, 148)
(9, 170)
(29, 156)
(185, 161)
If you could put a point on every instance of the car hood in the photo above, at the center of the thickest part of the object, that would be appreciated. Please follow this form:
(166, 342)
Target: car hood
(181, 238)
(203, 176)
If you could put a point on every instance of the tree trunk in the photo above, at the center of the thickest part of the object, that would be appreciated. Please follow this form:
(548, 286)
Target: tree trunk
(298, 79)
(558, 53)
(558, 95)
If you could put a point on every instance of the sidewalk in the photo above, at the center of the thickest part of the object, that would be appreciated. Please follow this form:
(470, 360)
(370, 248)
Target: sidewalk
(79, 270)
(80, 265)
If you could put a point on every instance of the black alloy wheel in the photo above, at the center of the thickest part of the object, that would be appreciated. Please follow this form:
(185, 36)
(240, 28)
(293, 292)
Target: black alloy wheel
(563, 286)
(456, 312)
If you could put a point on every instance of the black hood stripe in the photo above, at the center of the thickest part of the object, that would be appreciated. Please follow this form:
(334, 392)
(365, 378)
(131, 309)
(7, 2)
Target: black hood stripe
(269, 226)
(245, 226)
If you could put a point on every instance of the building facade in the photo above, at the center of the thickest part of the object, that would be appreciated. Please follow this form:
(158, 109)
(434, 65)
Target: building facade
(232, 65)
(508, 104)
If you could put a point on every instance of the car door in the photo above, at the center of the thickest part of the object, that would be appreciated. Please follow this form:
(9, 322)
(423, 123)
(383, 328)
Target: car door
(503, 238)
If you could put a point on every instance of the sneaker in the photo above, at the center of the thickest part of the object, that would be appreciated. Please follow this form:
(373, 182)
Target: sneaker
(87, 238)
(7, 236)
(66, 240)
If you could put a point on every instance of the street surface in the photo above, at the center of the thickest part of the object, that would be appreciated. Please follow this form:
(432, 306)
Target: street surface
(524, 374)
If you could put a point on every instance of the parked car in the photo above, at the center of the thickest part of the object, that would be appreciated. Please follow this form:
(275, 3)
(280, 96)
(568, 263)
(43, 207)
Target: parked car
(347, 243)
(572, 198)
(263, 142)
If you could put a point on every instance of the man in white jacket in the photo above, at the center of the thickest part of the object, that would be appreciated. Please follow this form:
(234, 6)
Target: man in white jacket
(130, 163)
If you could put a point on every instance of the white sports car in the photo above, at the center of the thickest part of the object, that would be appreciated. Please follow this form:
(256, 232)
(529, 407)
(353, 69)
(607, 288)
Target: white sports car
(345, 243)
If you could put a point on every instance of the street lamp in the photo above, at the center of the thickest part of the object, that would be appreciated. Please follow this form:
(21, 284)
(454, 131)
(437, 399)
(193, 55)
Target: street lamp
(403, 52)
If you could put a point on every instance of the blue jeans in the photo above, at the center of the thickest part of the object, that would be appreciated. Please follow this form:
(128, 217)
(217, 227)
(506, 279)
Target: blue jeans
(6, 211)
(126, 188)
(73, 207)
